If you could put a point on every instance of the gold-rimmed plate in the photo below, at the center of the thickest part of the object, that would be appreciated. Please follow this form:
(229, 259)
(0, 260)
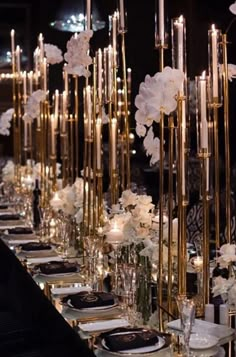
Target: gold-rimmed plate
(163, 344)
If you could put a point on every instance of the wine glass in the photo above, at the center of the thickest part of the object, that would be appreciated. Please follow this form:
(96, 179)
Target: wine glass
(186, 309)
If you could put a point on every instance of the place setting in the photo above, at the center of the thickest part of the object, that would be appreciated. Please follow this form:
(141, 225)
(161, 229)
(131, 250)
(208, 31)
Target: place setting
(91, 306)
(11, 220)
(132, 341)
(19, 235)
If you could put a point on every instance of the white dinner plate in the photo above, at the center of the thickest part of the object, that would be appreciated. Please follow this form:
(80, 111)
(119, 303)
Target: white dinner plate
(161, 342)
(202, 342)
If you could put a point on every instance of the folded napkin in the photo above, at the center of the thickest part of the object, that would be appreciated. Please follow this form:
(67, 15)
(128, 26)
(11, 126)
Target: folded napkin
(9, 217)
(18, 240)
(40, 260)
(70, 290)
(57, 267)
(20, 230)
(103, 325)
(34, 246)
(86, 300)
(122, 339)
(3, 206)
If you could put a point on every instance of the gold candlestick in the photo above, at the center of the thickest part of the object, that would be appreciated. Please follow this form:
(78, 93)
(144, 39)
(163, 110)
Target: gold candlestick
(216, 171)
(76, 81)
(227, 139)
(170, 210)
(161, 206)
(126, 113)
(182, 257)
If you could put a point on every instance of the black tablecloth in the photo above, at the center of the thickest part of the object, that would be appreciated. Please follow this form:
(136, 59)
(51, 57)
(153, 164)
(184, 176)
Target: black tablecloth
(29, 324)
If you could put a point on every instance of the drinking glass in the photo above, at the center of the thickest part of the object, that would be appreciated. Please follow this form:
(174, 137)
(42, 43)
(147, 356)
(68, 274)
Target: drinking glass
(186, 309)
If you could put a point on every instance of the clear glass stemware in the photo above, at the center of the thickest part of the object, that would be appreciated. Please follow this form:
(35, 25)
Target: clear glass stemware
(186, 309)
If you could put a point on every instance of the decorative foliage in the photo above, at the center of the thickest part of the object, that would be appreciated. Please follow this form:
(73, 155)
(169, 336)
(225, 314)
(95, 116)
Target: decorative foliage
(5, 121)
(77, 54)
(53, 54)
(156, 94)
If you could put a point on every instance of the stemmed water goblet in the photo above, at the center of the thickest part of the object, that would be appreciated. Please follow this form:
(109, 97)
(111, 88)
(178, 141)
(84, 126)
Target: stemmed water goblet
(186, 309)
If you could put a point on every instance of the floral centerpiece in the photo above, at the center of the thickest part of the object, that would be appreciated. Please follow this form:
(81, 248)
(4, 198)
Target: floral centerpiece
(133, 229)
(134, 221)
(69, 200)
(224, 285)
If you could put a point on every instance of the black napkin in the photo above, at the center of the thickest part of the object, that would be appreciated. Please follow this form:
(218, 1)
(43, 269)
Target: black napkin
(84, 299)
(9, 217)
(20, 230)
(116, 340)
(4, 206)
(35, 246)
(57, 267)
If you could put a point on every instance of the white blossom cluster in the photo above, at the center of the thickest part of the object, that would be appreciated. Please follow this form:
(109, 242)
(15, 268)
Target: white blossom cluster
(53, 54)
(136, 221)
(5, 121)
(32, 107)
(37, 170)
(69, 200)
(222, 286)
(8, 171)
(232, 8)
(156, 94)
(77, 55)
(231, 71)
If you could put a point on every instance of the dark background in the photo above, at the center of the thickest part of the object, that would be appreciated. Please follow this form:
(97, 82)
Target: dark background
(29, 18)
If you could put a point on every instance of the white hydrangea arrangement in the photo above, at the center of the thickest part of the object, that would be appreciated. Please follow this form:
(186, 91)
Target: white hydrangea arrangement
(53, 54)
(156, 94)
(8, 172)
(5, 122)
(77, 55)
(32, 107)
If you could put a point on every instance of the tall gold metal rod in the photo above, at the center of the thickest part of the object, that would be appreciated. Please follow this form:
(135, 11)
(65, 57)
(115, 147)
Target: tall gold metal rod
(89, 181)
(94, 164)
(72, 149)
(85, 192)
(19, 121)
(181, 206)
(76, 80)
(85, 160)
(161, 181)
(170, 210)
(110, 153)
(217, 180)
(14, 107)
(126, 110)
(227, 140)
(205, 204)
(161, 194)
(64, 153)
